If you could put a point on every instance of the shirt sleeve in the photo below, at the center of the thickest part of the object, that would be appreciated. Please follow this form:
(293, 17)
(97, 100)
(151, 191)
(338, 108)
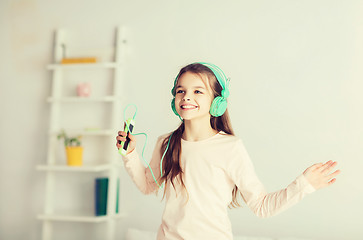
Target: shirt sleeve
(140, 174)
(262, 203)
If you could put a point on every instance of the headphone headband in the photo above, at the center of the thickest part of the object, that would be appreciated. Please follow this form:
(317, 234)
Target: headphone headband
(221, 77)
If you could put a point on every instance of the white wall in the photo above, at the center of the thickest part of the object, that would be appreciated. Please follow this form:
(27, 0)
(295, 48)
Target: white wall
(296, 70)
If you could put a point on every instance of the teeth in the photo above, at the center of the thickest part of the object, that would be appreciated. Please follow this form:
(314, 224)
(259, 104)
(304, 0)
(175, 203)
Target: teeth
(188, 106)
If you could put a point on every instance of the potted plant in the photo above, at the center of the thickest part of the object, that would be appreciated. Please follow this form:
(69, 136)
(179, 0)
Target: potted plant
(74, 150)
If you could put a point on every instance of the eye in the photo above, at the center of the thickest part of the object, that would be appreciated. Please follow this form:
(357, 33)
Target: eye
(198, 92)
(179, 91)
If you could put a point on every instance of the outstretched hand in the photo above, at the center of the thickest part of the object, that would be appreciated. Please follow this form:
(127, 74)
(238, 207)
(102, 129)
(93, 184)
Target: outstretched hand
(320, 175)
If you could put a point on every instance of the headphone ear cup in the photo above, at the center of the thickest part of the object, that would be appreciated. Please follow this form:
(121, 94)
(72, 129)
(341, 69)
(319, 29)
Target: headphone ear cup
(173, 107)
(218, 107)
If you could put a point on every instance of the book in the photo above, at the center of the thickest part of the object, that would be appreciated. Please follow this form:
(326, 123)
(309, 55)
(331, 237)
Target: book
(101, 192)
(79, 60)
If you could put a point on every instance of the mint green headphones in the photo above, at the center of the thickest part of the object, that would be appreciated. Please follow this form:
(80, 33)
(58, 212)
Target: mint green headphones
(219, 104)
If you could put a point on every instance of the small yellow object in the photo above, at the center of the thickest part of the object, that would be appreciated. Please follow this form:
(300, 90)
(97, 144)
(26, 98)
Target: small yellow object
(74, 155)
(79, 60)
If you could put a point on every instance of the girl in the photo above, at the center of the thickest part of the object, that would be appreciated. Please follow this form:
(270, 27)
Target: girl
(205, 167)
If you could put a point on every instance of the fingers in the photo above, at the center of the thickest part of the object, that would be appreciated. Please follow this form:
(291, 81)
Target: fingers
(328, 167)
(121, 137)
(325, 165)
(332, 181)
(122, 133)
(334, 174)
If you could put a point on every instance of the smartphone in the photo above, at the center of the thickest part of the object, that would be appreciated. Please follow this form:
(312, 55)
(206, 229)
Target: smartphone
(129, 127)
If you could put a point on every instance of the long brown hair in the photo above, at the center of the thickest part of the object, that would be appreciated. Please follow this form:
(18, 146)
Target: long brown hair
(171, 163)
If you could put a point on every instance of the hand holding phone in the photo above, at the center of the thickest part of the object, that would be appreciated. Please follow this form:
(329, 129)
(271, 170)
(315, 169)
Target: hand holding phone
(126, 142)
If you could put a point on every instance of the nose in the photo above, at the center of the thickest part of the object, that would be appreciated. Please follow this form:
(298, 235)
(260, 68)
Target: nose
(185, 98)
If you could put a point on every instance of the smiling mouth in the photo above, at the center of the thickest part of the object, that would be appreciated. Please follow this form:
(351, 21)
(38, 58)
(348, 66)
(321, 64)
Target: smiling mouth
(186, 107)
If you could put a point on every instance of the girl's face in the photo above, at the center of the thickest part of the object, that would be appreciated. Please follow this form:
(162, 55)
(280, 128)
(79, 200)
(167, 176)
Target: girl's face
(193, 96)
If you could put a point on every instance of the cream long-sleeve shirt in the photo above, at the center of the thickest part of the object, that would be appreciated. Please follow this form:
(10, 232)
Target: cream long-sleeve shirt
(212, 167)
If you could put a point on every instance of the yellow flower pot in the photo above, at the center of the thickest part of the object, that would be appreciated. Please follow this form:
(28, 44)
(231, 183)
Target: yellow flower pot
(74, 155)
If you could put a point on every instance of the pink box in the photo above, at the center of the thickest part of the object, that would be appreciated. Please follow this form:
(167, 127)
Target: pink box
(84, 89)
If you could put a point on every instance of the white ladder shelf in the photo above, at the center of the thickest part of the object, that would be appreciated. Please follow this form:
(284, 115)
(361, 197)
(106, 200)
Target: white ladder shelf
(110, 166)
